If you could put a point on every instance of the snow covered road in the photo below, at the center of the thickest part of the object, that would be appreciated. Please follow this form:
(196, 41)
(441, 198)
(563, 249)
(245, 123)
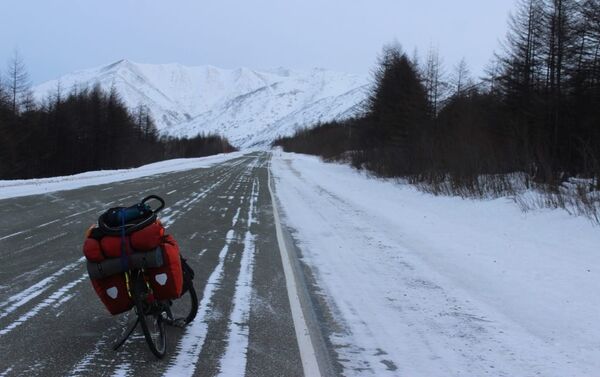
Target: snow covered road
(409, 284)
(52, 323)
(390, 281)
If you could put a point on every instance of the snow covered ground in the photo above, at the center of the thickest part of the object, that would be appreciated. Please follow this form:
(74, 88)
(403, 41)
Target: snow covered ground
(23, 187)
(440, 286)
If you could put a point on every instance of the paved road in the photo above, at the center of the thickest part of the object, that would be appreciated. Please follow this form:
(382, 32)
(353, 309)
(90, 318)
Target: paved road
(52, 323)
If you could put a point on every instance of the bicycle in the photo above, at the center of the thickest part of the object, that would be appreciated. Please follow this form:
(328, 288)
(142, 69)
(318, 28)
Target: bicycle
(152, 315)
(153, 309)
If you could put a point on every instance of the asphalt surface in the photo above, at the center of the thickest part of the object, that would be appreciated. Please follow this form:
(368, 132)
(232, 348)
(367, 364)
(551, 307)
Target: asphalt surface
(53, 324)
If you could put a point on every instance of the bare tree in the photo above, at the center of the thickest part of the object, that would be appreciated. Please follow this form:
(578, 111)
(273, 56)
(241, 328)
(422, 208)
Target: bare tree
(434, 84)
(415, 59)
(18, 82)
(461, 79)
(585, 56)
(3, 91)
(560, 14)
(28, 102)
(145, 122)
(560, 42)
(522, 64)
(492, 73)
(58, 92)
(590, 28)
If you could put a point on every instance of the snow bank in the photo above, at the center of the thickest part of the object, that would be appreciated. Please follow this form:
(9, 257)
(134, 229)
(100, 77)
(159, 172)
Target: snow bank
(24, 187)
(440, 286)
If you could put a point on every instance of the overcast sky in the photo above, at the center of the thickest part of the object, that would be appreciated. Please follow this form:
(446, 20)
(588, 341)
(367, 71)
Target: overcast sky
(60, 36)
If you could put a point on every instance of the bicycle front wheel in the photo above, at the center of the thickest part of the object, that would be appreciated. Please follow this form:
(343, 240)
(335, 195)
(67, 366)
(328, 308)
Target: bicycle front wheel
(151, 318)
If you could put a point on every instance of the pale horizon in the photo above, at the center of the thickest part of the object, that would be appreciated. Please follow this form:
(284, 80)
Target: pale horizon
(57, 38)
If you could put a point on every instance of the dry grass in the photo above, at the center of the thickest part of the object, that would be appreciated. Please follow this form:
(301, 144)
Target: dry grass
(576, 196)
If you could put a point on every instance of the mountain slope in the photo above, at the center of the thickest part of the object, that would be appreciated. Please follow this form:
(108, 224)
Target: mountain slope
(249, 107)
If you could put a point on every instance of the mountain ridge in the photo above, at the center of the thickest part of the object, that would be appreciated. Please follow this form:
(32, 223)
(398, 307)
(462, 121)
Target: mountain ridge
(249, 107)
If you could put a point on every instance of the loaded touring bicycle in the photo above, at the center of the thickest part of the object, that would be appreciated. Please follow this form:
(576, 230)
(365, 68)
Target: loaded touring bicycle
(133, 264)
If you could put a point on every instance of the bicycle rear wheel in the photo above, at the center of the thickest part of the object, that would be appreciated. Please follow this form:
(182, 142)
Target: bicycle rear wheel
(184, 309)
(151, 318)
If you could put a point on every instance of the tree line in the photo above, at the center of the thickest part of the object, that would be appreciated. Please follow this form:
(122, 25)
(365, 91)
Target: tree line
(536, 111)
(85, 129)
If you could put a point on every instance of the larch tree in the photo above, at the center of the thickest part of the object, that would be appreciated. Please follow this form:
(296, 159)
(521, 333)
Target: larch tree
(461, 79)
(434, 84)
(18, 82)
(522, 63)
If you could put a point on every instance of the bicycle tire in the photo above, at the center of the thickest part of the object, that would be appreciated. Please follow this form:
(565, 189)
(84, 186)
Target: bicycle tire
(125, 335)
(184, 309)
(151, 319)
(191, 291)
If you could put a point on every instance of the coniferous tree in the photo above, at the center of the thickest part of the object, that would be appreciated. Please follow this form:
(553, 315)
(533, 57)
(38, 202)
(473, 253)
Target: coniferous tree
(538, 113)
(18, 82)
(461, 79)
(434, 81)
(86, 129)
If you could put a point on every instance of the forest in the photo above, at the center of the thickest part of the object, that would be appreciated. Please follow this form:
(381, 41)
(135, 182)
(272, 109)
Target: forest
(533, 120)
(85, 129)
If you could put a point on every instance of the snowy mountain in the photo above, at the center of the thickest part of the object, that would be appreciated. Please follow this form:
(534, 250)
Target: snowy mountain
(249, 107)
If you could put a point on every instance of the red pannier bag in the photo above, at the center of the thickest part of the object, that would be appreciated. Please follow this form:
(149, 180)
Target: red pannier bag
(167, 281)
(112, 291)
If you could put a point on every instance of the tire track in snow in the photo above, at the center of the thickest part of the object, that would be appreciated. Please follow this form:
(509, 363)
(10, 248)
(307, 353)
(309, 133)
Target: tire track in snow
(170, 215)
(88, 360)
(37, 244)
(235, 217)
(233, 362)
(122, 370)
(44, 304)
(96, 359)
(35, 290)
(190, 345)
(46, 224)
(12, 235)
